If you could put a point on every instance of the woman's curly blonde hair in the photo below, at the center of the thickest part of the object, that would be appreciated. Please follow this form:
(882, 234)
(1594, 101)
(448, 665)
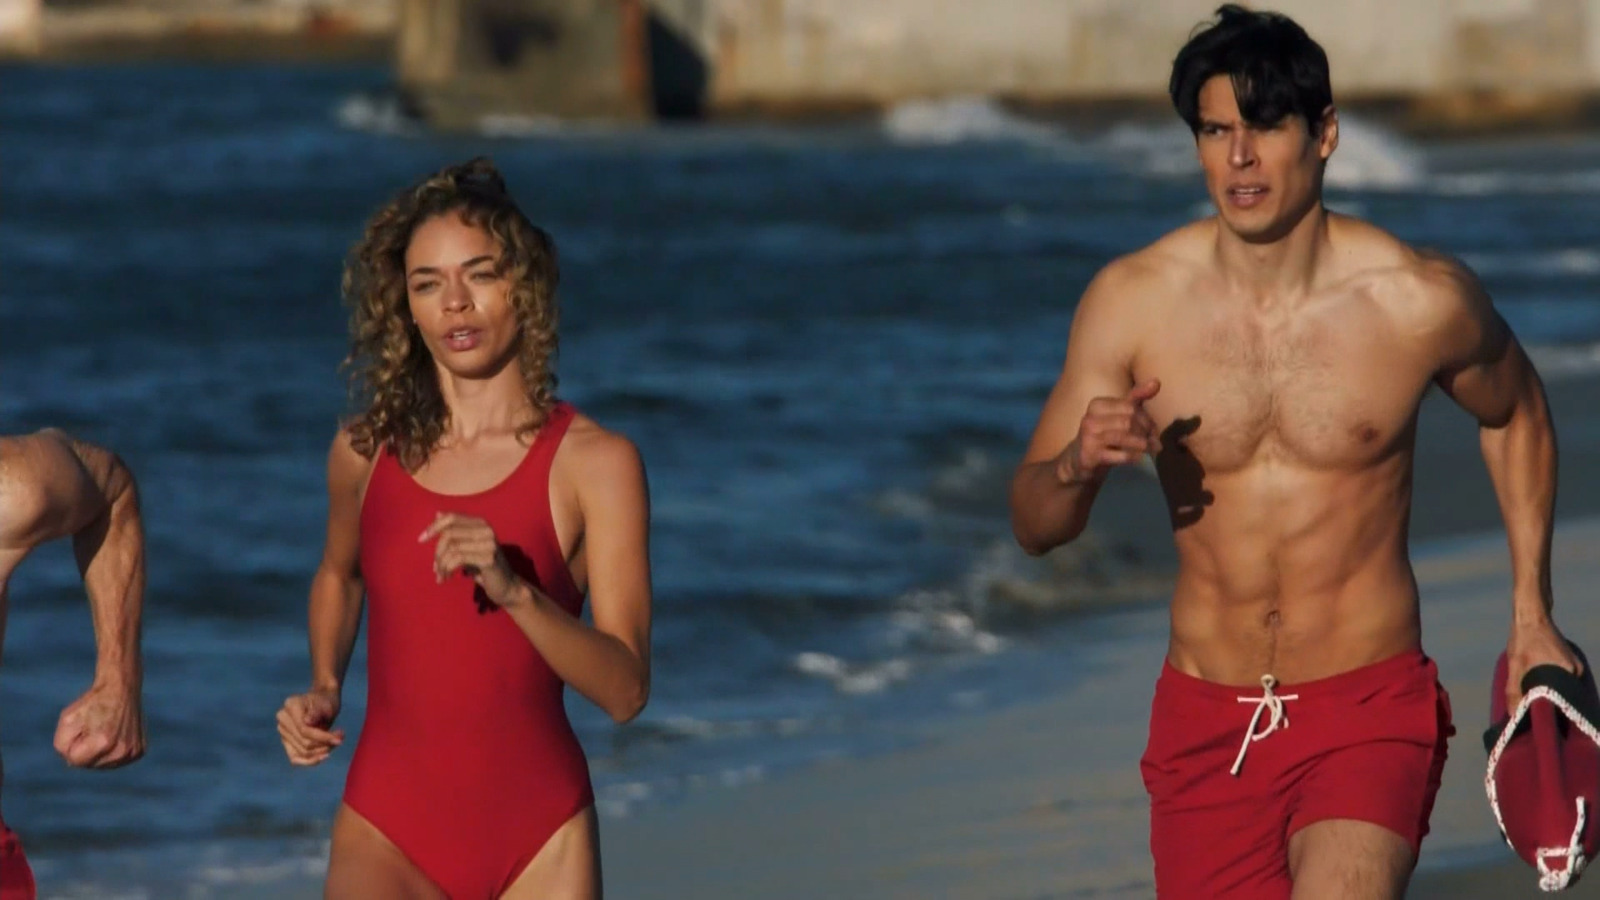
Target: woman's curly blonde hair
(393, 377)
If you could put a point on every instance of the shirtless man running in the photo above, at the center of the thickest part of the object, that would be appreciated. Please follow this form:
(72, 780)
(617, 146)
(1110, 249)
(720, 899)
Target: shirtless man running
(1272, 358)
(52, 486)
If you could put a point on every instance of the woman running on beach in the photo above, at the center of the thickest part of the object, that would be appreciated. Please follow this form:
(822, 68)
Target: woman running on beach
(476, 511)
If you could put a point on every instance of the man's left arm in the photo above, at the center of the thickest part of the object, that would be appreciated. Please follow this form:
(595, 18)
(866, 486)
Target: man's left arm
(1485, 370)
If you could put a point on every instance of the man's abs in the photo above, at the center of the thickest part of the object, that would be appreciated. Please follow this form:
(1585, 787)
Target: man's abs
(1295, 572)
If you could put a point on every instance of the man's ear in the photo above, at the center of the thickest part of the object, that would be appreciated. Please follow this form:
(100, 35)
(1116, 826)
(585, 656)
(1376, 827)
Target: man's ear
(1328, 132)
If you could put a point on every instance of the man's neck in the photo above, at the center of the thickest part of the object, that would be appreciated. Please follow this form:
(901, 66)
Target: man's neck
(1279, 270)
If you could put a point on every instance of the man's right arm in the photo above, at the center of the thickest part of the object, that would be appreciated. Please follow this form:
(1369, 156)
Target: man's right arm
(59, 486)
(64, 487)
(110, 553)
(337, 588)
(1056, 483)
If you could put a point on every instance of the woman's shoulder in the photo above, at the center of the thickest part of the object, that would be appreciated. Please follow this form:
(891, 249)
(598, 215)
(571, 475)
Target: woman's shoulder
(351, 457)
(594, 453)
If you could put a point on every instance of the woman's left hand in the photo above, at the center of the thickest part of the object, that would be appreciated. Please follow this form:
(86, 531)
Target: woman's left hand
(469, 545)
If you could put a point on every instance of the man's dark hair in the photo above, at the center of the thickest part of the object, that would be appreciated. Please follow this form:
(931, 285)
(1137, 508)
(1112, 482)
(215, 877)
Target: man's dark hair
(1276, 68)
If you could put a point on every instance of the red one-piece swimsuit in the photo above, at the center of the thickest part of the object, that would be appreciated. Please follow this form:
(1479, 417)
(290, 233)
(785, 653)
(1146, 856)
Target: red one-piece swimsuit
(466, 760)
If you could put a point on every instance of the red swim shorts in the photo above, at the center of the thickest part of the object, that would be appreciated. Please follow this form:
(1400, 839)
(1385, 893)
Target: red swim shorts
(1230, 780)
(16, 879)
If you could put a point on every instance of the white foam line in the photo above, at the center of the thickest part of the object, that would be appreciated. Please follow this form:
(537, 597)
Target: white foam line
(1571, 361)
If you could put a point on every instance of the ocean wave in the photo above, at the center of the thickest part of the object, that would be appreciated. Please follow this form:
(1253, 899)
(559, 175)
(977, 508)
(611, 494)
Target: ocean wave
(387, 113)
(1558, 262)
(904, 503)
(623, 799)
(853, 678)
(519, 126)
(1004, 592)
(954, 120)
(1369, 156)
(1372, 157)
(677, 728)
(1556, 362)
(376, 113)
(1482, 183)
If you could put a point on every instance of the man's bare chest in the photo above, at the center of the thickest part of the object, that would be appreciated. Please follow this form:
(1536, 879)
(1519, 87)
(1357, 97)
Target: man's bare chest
(1316, 393)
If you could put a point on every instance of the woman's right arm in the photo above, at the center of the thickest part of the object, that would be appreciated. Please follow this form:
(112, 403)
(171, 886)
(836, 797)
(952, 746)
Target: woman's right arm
(336, 589)
(335, 612)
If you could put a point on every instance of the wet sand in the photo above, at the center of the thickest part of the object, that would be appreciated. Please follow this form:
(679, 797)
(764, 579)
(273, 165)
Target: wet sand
(1044, 800)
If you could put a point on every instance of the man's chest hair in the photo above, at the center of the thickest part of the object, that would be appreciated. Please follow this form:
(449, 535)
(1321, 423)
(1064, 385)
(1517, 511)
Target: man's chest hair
(1322, 392)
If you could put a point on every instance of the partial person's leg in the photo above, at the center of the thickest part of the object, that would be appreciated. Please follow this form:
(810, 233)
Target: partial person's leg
(1342, 859)
(1362, 809)
(16, 878)
(567, 867)
(363, 863)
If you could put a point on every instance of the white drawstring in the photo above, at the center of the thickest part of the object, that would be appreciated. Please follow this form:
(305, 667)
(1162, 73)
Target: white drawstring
(1268, 702)
(1558, 879)
(1549, 879)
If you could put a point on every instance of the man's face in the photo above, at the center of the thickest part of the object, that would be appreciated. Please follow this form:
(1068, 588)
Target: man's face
(1263, 179)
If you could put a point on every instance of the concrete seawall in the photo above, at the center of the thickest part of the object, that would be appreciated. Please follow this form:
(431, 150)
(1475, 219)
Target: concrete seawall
(459, 61)
(1452, 63)
(1434, 64)
(20, 27)
(257, 30)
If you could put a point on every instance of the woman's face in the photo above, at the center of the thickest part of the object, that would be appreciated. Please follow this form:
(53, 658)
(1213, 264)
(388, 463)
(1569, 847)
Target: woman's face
(458, 297)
